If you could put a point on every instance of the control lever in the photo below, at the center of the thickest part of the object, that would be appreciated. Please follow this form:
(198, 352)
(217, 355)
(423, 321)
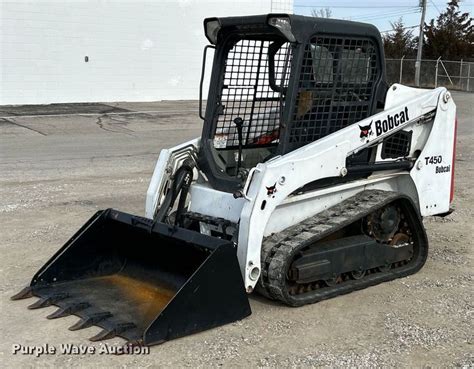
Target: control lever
(239, 123)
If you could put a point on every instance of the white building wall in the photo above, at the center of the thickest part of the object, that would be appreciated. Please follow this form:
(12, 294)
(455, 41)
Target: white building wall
(137, 50)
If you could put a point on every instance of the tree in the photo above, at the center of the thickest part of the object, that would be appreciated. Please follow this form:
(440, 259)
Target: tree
(451, 37)
(399, 42)
(321, 13)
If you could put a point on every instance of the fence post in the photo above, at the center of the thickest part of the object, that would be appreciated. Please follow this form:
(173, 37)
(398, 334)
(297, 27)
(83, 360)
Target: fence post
(436, 74)
(401, 68)
(468, 75)
(447, 74)
(460, 75)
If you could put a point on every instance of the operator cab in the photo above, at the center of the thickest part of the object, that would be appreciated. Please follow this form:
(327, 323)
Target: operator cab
(280, 82)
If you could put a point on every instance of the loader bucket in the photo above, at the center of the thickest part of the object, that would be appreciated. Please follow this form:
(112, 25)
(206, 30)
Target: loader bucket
(143, 281)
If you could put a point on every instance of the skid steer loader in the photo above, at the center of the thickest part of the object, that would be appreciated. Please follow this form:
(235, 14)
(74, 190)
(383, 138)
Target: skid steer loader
(309, 181)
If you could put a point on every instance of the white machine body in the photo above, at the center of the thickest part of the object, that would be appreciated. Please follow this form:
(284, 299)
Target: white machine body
(268, 201)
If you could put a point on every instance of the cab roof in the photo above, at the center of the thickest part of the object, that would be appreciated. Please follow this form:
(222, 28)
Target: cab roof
(302, 27)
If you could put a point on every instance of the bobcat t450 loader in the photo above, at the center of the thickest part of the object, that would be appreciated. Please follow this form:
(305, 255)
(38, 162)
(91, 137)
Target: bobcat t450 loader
(309, 181)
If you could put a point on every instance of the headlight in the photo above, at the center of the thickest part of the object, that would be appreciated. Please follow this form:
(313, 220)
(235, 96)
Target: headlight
(284, 26)
(212, 28)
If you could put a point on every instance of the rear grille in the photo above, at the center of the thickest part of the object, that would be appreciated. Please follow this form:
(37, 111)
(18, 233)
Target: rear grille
(246, 93)
(336, 87)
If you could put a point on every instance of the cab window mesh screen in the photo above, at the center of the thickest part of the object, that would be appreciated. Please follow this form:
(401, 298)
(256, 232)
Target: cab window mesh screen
(246, 93)
(335, 89)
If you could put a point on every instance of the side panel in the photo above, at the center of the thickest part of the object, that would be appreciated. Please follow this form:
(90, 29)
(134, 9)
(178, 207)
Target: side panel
(433, 171)
(207, 201)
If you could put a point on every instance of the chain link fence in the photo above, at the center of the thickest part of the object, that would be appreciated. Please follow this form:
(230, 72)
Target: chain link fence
(455, 75)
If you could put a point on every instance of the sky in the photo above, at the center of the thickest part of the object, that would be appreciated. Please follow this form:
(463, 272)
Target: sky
(380, 12)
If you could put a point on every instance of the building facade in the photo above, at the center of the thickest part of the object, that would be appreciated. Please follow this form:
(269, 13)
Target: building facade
(99, 50)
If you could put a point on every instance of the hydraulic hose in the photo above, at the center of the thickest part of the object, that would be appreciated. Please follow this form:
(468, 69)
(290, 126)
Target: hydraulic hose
(181, 183)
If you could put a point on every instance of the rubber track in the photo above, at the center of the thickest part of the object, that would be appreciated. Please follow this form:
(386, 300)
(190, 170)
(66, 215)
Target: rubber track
(278, 250)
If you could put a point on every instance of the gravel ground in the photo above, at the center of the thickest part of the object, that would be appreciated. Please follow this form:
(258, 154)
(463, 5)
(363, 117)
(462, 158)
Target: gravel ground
(58, 170)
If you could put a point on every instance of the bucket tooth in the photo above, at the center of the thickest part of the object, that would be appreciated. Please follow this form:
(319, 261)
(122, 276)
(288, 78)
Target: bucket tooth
(23, 294)
(68, 310)
(48, 301)
(106, 334)
(41, 303)
(90, 321)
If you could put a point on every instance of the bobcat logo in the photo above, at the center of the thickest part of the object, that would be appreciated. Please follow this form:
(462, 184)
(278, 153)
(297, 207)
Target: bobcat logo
(366, 131)
(271, 190)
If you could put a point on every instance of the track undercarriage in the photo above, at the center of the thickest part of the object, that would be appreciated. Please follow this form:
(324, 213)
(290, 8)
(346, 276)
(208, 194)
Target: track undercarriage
(373, 237)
